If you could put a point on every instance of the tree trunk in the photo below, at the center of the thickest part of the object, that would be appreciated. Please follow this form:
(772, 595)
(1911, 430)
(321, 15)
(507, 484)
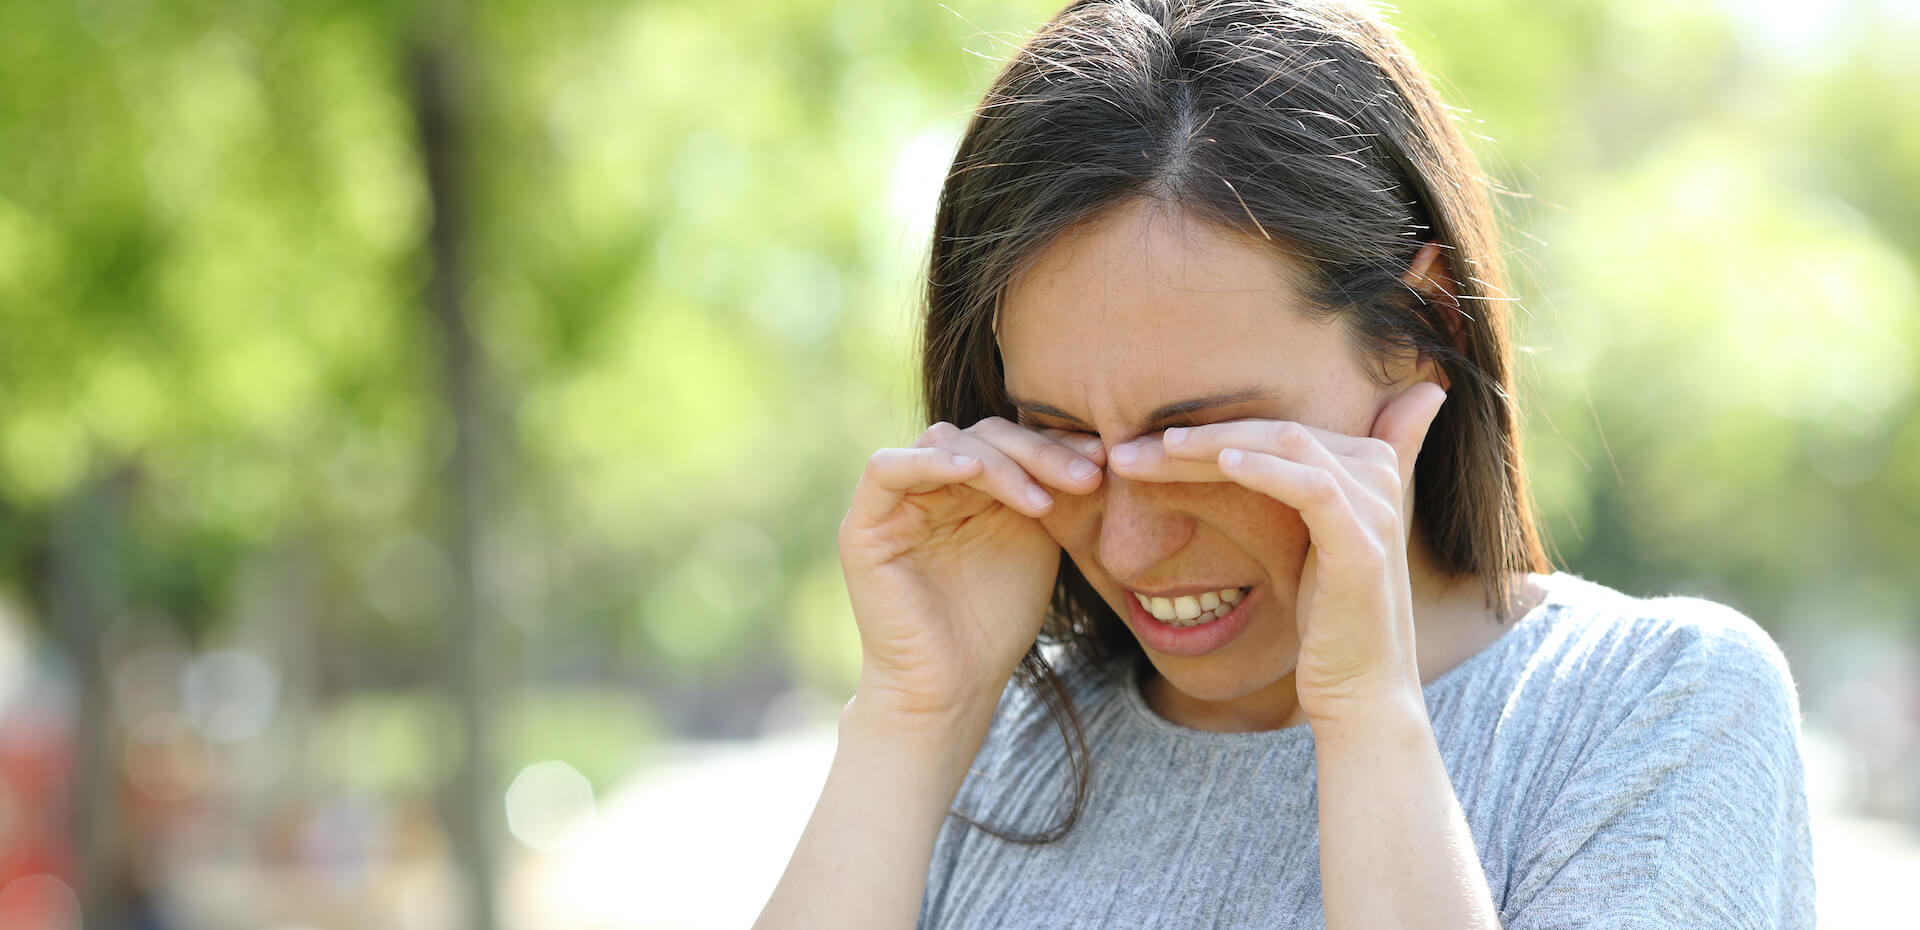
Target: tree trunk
(469, 803)
(80, 581)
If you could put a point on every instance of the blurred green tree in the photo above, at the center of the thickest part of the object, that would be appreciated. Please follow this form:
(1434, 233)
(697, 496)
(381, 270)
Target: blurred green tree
(692, 244)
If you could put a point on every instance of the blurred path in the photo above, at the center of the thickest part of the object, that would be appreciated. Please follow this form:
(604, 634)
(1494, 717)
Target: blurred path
(699, 840)
(696, 842)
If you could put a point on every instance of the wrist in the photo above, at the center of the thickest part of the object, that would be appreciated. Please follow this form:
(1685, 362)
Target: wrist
(884, 699)
(874, 723)
(1373, 719)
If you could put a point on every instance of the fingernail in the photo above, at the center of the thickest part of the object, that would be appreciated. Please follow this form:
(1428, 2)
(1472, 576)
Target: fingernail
(1124, 454)
(1231, 458)
(1176, 435)
(1081, 470)
(1038, 497)
(1088, 445)
(962, 461)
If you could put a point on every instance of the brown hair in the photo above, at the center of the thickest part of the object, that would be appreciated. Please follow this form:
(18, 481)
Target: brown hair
(1304, 124)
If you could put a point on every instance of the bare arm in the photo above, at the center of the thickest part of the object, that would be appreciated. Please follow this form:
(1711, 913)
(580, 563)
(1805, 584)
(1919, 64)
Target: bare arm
(862, 861)
(1395, 850)
(948, 572)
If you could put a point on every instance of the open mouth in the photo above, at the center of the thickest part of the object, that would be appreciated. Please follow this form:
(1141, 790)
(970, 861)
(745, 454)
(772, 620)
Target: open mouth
(1192, 610)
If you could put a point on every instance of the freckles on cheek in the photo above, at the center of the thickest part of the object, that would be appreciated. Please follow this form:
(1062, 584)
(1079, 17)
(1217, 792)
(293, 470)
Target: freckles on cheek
(1069, 522)
(1225, 497)
(1247, 514)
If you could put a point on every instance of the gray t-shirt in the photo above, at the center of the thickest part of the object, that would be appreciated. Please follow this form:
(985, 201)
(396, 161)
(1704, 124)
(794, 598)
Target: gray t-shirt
(1622, 763)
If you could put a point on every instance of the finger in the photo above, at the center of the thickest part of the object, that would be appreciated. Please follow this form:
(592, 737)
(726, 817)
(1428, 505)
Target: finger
(1254, 433)
(1087, 444)
(1149, 460)
(1286, 438)
(1405, 421)
(1316, 493)
(1050, 456)
(1363, 464)
(892, 474)
(1001, 477)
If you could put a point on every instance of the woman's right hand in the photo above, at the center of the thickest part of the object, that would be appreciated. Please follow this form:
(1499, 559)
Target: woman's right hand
(946, 562)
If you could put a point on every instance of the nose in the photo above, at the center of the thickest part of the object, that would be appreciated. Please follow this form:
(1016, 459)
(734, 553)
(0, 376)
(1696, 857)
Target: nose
(1138, 528)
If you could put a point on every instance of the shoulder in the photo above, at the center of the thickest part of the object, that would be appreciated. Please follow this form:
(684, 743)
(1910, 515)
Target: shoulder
(1676, 645)
(1669, 767)
(1645, 691)
(1605, 682)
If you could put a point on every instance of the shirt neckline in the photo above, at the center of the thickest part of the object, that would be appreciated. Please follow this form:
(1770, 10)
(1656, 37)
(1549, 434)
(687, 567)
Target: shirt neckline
(1557, 587)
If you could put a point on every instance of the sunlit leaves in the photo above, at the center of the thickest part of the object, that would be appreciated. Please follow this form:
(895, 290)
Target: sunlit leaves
(696, 234)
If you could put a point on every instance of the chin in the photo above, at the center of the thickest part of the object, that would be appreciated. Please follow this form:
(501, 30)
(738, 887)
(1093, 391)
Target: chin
(1214, 681)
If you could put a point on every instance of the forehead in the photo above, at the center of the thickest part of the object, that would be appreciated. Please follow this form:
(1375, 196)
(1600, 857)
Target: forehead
(1146, 307)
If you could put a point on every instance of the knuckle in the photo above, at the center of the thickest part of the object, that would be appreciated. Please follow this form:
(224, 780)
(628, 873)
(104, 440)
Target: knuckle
(1321, 488)
(1288, 435)
(1373, 551)
(1379, 515)
(935, 433)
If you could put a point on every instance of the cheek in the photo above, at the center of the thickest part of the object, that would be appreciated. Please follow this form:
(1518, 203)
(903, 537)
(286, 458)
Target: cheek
(1074, 524)
(1226, 514)
(1073, 521)
(1260, 527)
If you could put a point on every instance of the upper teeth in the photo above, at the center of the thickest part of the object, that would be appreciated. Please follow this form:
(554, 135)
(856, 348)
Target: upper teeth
(1187, 610)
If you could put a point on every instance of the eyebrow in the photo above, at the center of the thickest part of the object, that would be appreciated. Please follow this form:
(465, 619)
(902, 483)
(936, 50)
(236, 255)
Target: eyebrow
(1169, 412)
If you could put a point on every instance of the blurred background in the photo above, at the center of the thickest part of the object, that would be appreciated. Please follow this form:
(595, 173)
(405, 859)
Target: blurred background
(423, 427)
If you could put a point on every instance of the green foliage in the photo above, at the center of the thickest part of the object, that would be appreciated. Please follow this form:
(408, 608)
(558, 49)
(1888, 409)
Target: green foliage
(696, 231)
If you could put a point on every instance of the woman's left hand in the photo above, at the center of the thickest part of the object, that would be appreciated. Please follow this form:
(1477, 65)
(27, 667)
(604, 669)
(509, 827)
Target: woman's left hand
(1355, 609)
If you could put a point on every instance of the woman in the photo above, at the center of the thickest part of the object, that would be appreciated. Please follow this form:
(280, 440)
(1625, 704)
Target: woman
(1214, 312)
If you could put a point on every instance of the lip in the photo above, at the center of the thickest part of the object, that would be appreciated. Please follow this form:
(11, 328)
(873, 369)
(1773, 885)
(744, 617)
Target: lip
(1190, 641)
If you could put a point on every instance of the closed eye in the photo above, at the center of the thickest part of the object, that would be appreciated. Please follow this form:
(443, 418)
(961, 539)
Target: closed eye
(1033, 424)
(1184, 423)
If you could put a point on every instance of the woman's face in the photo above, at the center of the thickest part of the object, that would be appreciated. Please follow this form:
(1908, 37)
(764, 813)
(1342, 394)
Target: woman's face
(1142, 309)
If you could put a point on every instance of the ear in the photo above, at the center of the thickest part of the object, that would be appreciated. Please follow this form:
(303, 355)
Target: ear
(1428, 276)
(1409, 369)
(1433, 287)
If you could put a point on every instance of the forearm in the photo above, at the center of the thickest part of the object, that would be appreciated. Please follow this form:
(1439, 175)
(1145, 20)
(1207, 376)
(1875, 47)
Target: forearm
(1395, 850)
(862, 860)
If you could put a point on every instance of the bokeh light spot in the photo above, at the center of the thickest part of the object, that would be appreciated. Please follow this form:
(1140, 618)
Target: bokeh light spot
(546, 802)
